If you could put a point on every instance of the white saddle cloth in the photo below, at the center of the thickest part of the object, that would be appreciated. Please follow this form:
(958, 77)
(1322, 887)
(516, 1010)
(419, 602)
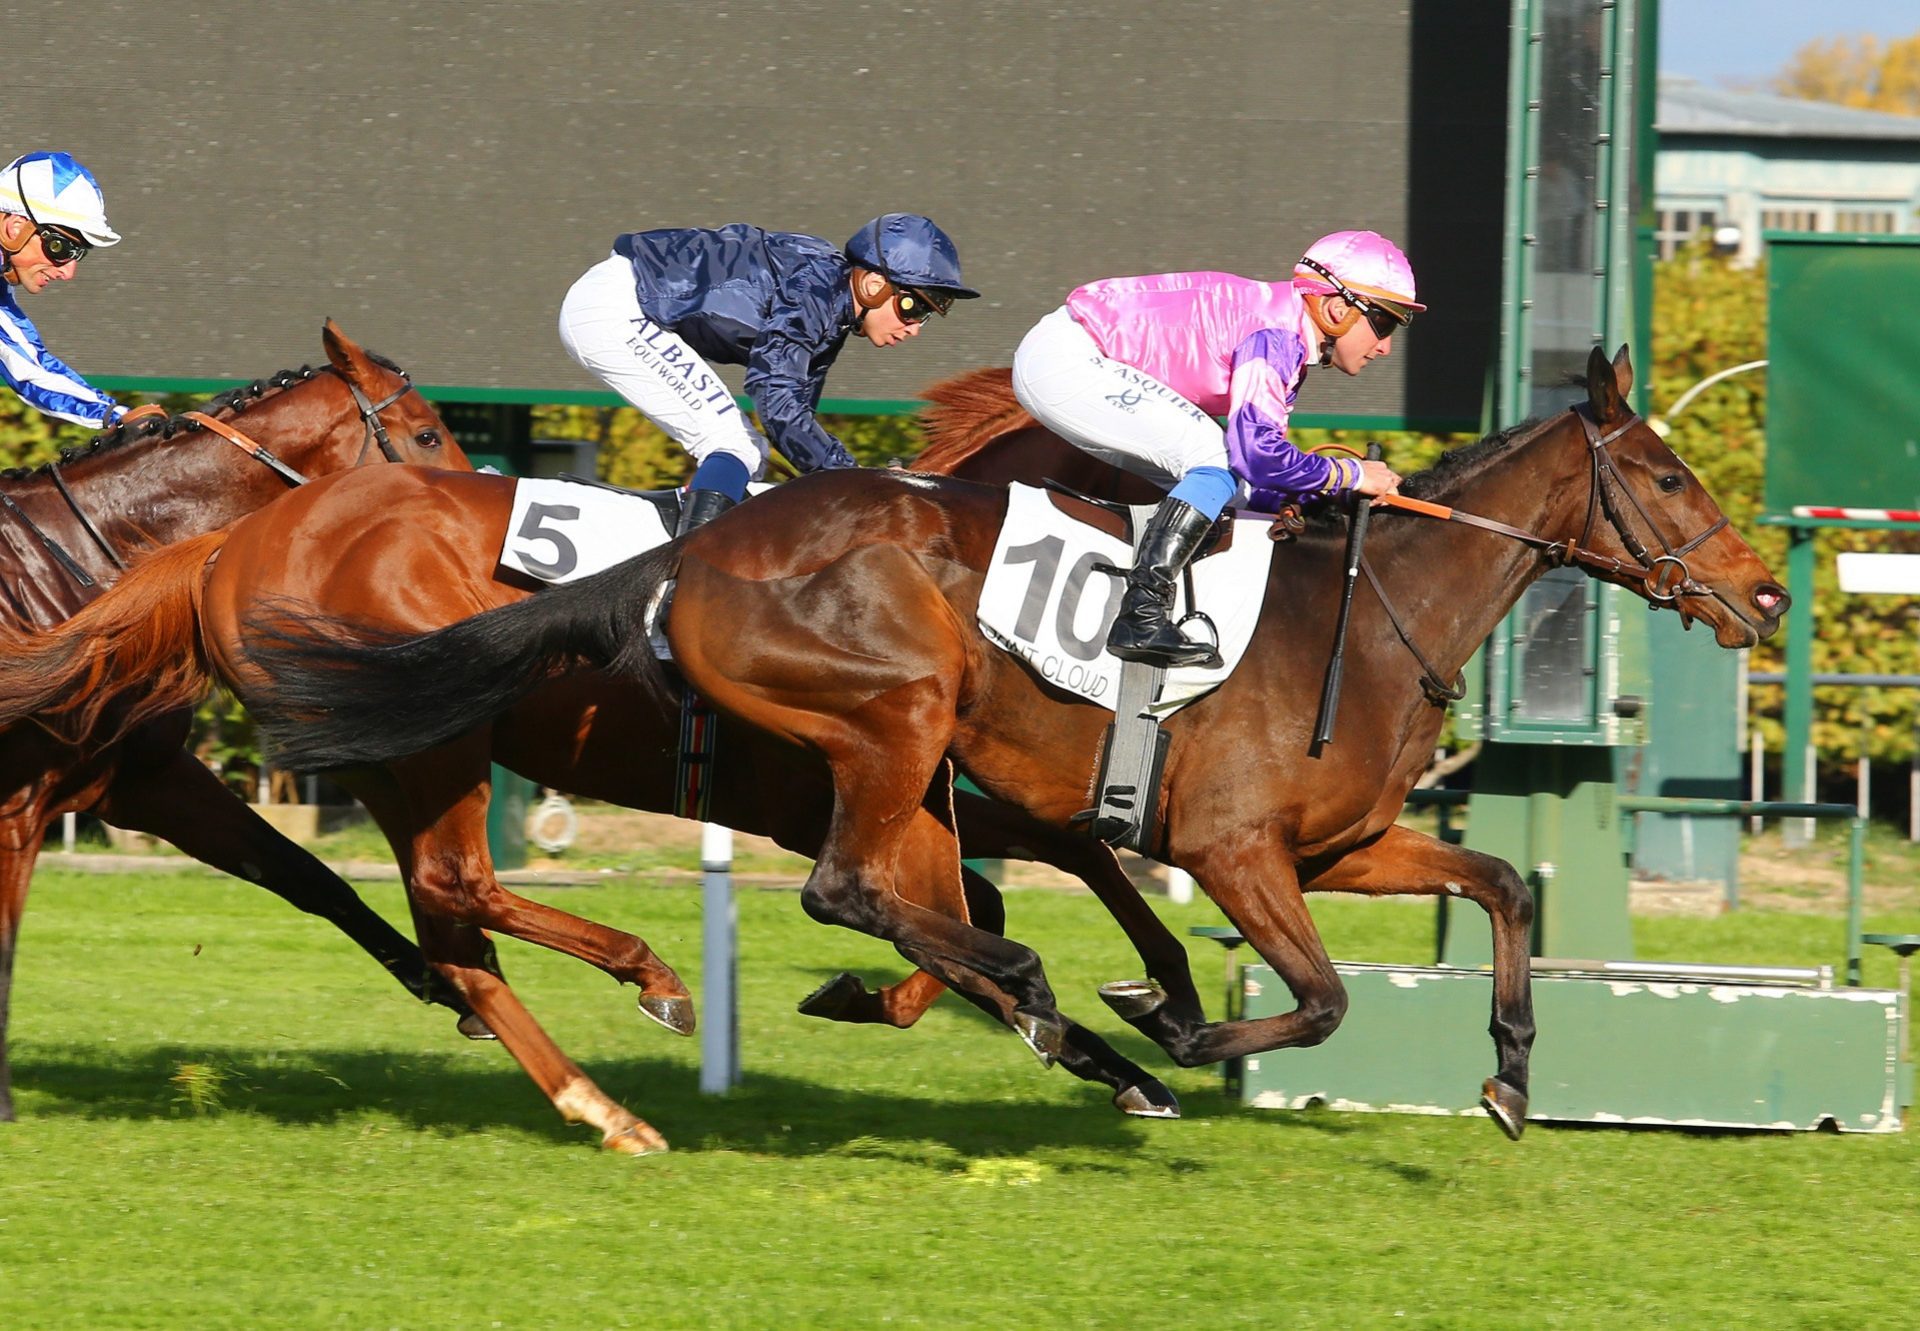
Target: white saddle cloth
(1044, 603)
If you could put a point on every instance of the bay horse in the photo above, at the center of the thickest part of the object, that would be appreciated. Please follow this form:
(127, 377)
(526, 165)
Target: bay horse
(336, 542)
(68, 530)
(841, 618)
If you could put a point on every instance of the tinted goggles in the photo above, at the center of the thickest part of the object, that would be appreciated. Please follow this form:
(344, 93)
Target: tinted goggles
(59, 247)
(1384, 320)
(915, 305)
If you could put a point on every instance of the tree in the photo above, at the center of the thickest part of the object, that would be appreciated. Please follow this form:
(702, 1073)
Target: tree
(1857, 71)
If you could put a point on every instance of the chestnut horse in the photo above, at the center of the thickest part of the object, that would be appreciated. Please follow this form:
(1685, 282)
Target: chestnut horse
(838, 614)
(67, 530)
(583, 734)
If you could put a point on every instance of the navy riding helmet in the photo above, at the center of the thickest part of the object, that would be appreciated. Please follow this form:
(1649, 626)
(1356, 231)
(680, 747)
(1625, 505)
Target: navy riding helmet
(910, 251)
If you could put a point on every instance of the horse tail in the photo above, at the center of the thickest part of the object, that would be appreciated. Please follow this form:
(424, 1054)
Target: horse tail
(136, 649)
(966, 412)
(336, 694)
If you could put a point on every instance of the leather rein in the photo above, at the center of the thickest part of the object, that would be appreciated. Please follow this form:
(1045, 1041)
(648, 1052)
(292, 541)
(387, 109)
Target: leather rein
(376, 433)
(1665, 577)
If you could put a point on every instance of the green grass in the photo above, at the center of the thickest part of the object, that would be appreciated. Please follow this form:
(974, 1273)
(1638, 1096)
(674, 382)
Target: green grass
(229, 1119)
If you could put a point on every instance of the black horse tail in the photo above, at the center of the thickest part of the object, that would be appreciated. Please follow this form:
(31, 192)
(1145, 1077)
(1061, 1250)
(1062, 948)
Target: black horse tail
(338, 695)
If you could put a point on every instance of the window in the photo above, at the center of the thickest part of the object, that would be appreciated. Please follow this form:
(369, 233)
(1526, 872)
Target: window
(1790, 219)
(1674, 227)
(1873, 221)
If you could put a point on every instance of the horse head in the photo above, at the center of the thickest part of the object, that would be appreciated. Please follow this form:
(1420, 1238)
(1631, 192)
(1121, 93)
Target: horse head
(1651, 527)
(393, 415)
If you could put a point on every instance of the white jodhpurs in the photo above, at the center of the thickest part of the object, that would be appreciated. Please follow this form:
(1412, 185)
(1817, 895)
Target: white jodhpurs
(1121, 415)
(603, 327)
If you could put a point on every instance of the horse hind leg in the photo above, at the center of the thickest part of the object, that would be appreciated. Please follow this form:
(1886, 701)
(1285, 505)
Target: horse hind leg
(178, 799)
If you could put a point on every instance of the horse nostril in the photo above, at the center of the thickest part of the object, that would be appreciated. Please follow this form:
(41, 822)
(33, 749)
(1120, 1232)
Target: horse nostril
(1771, 598)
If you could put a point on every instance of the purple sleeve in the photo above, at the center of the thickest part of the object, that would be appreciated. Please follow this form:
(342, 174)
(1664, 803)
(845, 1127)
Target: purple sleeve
(1267, 369)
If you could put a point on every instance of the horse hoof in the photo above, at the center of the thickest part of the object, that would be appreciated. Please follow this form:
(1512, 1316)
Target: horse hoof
(1507, 1107)
(640, 1139)
(474, 1028)
(1133, 999)
(1148, 1100)
(832, 999)
(1044, 1036)
(674, 1012)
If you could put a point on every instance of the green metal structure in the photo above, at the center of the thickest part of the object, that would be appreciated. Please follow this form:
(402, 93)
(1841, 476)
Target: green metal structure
(1561, 700)
(1840, 418)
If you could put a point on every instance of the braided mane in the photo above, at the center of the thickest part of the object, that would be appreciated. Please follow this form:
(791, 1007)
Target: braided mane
(148, 428)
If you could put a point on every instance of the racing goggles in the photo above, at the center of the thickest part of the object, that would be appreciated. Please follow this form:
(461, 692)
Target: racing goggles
(1384, 317)
(915, 305)
(59, 246)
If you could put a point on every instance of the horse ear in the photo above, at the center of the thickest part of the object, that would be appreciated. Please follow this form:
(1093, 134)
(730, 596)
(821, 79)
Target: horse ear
(1623, 371)
(1603, 389)
(344, 352)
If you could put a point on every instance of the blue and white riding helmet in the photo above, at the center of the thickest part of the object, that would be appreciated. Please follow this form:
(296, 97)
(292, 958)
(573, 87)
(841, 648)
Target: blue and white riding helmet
(911, 252)
(55, 190)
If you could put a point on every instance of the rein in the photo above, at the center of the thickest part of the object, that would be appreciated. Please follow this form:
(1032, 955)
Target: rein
(376, 433)
(1665, 577)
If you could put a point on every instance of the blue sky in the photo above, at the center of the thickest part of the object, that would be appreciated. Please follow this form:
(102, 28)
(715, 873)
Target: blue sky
(1752, 40)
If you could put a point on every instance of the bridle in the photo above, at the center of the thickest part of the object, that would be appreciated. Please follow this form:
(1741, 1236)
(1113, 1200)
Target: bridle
(1665, 578)
(376, 434)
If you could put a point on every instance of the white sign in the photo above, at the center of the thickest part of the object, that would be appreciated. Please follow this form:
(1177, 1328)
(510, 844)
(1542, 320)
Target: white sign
(1865, 572)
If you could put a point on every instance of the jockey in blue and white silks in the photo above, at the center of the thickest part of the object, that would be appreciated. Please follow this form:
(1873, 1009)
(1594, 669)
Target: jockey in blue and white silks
(1133, 370)
(51, 215)
(650, 320)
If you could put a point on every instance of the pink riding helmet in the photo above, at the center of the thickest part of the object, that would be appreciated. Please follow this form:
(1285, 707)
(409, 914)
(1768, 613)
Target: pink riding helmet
(1364, 260)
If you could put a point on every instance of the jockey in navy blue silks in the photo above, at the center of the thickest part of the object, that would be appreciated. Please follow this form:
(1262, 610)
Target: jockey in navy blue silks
(649, 320)
(51, 215)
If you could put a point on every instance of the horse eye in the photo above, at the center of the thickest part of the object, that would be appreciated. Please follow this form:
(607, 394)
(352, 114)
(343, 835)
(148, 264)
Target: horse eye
(428, 439)
(1672, 484)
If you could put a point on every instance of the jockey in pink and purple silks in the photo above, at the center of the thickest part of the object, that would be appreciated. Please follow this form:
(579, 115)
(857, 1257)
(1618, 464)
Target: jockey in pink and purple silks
(1133, 370)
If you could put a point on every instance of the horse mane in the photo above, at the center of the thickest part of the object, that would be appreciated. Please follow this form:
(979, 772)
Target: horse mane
(1456, 466)
(967, 411)
(166, 427)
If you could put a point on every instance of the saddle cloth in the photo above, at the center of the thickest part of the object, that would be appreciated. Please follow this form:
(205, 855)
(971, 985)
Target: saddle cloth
(1044, 602)
(561, 531)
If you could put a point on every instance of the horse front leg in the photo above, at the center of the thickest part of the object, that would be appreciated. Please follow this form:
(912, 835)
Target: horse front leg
(1254, 884)
(463, 956)
(1403, 862)
(162, 789)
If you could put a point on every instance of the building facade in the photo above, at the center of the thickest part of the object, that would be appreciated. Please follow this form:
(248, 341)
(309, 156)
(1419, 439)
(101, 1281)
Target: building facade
(1738, 164)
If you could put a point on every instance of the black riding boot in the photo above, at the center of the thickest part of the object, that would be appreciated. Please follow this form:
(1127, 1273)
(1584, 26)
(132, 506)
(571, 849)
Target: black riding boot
(1144, 630)
(701, 507)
